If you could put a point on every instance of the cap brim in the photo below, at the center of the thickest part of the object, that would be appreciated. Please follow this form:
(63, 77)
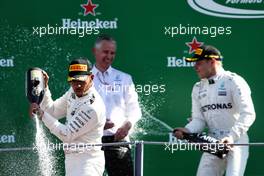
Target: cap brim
(191, 59)
(78, 78)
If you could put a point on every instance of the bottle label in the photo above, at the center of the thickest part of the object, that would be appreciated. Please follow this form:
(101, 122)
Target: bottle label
(36, 74)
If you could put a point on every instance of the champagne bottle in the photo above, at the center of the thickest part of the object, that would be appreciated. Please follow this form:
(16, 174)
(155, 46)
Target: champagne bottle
(207, 144)
(35, 85)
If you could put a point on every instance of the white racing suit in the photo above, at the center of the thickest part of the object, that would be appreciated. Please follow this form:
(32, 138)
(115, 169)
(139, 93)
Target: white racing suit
(223, 104)
(85, 118)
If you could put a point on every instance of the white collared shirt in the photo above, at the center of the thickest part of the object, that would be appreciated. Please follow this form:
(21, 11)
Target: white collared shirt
(118, 93)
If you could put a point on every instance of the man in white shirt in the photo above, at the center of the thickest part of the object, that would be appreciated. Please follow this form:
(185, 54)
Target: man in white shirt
(85, 115)
(222, 102)
(122, 107)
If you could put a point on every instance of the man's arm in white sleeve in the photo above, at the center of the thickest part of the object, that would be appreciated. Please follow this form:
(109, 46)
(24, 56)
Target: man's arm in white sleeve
(82, 122)
(241, 95)
(57, 108)
(197, 124)
(133, 111)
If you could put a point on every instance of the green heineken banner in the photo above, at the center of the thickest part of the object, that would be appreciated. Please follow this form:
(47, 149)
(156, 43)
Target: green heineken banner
(153, 40)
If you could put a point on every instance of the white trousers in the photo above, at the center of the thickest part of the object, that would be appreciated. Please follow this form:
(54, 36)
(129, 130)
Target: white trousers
(82, 164)
(234, 163)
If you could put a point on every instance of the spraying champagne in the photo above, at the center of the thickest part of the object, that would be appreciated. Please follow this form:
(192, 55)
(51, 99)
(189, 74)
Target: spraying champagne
(35, 85)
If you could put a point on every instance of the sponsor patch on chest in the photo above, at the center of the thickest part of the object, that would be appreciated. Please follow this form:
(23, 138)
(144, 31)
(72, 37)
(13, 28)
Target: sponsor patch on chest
(216, 106)
(222, 90)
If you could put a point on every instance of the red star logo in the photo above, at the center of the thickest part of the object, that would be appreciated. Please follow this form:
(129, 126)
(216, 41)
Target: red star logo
(193, 45)
(89, 8)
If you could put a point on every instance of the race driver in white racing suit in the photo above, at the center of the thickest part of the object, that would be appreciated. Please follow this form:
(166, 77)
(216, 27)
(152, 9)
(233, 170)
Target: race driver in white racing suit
(222, 102)
(85, 115)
